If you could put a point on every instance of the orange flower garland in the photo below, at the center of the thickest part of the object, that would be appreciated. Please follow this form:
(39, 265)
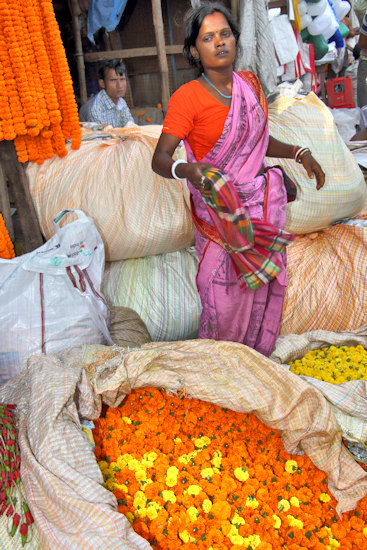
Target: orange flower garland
(189, 474)
(6, 246)
(37, 103)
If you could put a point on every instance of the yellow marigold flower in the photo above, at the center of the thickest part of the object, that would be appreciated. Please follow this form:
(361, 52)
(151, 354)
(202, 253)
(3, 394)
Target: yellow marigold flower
(202, 442)
(291, 466)
(324, 497)
(252, 540)
(141, 513)
(194, 490)
(177, 440)
(141, 475)
(130, 516)
(126, 419)
(147, 463)
(283, 505)
(216, 460)
(207, 505)
(241, 474)
(193, 513)
(237, 540)
(103, 465)
(183, 459)
(294, 522)
(186, 537)
(171, 481)
(238, 520)
(207, 472)
(151, 512)
(140, 500)
(277, 521)
(169, 496)
(134, 465)
(251, 502)
(365, 532)
(294, 501)
(172, 471)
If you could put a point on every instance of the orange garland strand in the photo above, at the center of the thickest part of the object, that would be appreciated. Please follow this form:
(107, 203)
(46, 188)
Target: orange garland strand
(189, 474)
(37, 102)
(6, 246)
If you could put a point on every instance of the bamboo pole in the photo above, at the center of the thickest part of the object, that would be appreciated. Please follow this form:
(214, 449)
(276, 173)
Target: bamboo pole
(161, 48)
(234, 10)
(5, 204)
(75, 11)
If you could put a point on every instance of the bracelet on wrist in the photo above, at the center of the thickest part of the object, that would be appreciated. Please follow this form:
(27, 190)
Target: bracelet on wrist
(173, 168)
(303, 151)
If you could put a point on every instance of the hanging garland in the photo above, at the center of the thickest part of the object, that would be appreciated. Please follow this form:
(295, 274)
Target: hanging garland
(37, 104)
(188, 474)
(6, 246)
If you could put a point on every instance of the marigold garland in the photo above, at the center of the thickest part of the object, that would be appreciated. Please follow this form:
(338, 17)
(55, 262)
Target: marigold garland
(333, 364)
(189, 474)
(6, 246)
(37, 103)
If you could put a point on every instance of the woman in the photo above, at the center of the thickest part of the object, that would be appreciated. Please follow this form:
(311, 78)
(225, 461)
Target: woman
(222, 119)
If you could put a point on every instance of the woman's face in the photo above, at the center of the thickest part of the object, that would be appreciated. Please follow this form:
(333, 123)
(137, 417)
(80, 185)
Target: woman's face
(215, 45)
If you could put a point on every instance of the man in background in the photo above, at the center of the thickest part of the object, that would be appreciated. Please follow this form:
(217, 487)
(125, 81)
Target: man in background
(109, 106)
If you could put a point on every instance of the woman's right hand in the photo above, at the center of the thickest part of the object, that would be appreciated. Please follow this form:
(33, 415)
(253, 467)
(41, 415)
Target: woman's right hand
(194, 172)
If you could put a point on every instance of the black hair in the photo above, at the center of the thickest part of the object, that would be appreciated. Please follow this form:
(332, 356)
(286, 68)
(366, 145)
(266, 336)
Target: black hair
(194, 19)
(115, 64)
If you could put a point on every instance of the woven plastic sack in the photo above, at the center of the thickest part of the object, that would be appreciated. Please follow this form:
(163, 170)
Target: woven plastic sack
(110, 178)
(309, 123)
(161, 289)
(50, 298)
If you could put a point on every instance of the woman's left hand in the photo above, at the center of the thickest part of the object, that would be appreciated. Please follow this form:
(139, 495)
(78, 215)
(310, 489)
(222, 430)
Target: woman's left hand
(313, 169)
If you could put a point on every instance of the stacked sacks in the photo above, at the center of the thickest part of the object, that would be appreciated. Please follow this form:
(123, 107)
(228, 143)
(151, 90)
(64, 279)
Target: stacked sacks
(327, 285)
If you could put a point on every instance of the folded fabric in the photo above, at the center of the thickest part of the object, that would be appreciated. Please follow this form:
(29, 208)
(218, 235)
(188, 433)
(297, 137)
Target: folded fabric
(250, 243)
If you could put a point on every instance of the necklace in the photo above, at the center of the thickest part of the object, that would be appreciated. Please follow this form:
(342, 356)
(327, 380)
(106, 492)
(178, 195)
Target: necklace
(215, 88)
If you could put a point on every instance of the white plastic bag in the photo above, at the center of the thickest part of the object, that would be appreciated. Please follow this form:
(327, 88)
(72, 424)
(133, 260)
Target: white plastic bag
(50, 298)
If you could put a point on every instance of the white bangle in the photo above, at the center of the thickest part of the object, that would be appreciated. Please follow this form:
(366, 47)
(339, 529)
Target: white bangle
(173, 168)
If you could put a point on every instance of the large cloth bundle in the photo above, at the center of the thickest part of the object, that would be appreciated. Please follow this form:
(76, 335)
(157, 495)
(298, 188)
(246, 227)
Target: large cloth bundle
(327, 286)
(309, 123)
(137, 212)
(61, 477)
(161, 289)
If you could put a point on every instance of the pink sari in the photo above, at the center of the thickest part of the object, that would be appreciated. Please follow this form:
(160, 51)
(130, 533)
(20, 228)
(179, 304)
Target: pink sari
(251, 317)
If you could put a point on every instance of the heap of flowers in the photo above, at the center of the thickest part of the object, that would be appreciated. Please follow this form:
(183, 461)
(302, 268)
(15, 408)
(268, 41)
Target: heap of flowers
(190, 474)
(6, 246)
(12, 502)
(37, 103)
(333, 364)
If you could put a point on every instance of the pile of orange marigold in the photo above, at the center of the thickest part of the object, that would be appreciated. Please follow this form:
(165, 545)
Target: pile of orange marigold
(37, 104)
(189, 474)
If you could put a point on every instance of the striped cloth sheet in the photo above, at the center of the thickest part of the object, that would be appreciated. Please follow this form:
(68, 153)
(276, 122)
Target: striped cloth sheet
(136, 212)
(349, 400)
(61, 477)
(327, 286)
(309, 123)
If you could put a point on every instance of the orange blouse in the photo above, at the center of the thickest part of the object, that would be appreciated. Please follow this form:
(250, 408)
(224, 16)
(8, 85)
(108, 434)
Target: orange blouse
(193, 113)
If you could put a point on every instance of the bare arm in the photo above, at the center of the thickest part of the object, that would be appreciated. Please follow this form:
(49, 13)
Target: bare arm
(279, 149)
(162, 162)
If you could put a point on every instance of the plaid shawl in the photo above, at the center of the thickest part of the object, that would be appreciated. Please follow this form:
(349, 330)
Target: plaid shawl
(250, 243)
